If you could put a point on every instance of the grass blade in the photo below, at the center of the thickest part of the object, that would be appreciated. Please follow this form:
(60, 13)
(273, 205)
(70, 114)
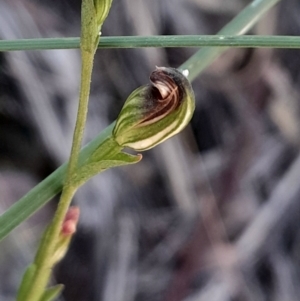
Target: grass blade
(247, 41)
(237, 26)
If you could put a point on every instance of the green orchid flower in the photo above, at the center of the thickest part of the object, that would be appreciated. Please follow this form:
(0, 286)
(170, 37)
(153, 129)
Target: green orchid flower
(155, 112)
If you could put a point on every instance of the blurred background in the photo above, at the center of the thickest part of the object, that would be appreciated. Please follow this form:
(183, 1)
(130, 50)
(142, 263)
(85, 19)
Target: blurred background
(212, 214)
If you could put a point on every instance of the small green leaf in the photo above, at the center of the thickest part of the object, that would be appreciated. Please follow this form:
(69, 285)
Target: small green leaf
(125, 158)
(52, 292)
(26, 282)
(91, 169)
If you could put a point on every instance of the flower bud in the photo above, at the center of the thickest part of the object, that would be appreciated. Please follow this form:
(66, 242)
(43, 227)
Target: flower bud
(102, 8)
(155, 112)
(68, 229)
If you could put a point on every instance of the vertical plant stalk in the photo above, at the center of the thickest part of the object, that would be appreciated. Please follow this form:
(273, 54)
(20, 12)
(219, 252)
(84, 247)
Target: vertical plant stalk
(69, 190)
(47, 248)
(92, 16)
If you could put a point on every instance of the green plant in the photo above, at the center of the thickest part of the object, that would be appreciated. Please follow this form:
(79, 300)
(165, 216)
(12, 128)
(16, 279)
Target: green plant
(106, 150)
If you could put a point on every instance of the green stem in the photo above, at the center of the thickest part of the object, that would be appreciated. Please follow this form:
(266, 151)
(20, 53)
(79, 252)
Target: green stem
(45, 263)
(224, 40)
(86, 75)
(47, 248)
